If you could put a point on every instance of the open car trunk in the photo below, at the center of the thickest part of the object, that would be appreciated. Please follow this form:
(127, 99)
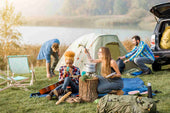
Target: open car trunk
(161, 10)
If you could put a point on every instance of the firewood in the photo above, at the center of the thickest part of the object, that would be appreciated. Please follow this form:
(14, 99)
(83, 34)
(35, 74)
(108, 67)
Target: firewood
(63, 98)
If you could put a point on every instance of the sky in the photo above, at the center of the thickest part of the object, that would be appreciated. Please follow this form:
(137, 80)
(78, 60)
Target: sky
(35, 7)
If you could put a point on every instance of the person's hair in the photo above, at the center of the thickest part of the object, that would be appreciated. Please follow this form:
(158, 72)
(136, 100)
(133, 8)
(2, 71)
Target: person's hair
(55, 46)
(69, 55)
(105, 66)
(136, 37)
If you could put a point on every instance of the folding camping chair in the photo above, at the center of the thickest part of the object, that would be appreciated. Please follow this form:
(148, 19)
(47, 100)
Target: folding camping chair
(19, 64)
(4, 80)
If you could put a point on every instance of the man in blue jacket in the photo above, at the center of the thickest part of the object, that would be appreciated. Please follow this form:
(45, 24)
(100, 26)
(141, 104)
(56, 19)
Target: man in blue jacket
(49, 48)
(140, 55)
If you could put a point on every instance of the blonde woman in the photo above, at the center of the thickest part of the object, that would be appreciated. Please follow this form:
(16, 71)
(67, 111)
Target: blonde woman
(108, 66)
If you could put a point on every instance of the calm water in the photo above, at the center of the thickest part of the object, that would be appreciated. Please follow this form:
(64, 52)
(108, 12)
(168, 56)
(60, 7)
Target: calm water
(38, 35)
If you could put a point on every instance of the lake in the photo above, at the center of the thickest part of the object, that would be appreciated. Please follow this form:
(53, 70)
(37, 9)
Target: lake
(38, 35)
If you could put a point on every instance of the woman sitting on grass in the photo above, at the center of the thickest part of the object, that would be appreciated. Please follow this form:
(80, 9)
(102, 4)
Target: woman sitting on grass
(70, 74)
(107, 84)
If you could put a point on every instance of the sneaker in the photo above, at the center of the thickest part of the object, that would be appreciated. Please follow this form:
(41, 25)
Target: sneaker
(113, 92)
(120, 92)
(59, 92)
(117, 92)
(52, 74)
(49, 97)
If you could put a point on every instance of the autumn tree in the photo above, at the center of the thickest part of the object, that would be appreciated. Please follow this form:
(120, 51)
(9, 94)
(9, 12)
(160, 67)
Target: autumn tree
(120, 7)
(9, 35)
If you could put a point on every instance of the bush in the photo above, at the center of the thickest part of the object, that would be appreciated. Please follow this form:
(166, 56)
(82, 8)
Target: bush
(128, 45)
(32, 51)
(3, 63)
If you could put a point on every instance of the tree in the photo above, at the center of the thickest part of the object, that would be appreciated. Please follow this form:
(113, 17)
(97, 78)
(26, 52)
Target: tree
(120, 7)
(9, 35)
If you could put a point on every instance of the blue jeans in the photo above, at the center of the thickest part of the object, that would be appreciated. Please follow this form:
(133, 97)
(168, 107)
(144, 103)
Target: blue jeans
(141, 61)
(68, 82)
(107, 85)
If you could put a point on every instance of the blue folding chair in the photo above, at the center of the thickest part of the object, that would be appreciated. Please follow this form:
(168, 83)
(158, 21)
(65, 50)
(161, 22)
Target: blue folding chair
(19, 64)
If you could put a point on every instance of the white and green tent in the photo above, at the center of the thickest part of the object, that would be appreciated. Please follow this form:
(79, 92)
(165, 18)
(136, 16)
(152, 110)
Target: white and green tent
(93, 42)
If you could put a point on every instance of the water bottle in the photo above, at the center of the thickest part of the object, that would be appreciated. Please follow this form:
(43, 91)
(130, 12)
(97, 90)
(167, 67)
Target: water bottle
(67, 69)
(149, 90)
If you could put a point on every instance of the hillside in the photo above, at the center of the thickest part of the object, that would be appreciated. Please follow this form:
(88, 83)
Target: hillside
(99, 13)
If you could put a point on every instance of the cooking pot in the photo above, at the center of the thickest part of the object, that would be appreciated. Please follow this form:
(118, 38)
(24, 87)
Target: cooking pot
(90, 67)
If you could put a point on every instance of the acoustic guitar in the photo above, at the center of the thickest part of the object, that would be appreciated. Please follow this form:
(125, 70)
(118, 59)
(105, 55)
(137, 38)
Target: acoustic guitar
(53, 86)
(50, 87)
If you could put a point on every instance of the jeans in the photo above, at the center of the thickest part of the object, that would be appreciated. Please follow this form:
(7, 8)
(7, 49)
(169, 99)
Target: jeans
(107, 85)
(141, 61)
(56, 59)
(69, 82)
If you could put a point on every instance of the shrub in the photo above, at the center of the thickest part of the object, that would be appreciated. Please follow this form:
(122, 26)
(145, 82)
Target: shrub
(3, 63)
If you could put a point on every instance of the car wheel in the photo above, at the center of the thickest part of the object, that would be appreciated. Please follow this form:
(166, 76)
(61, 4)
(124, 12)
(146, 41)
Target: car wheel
(156, 67)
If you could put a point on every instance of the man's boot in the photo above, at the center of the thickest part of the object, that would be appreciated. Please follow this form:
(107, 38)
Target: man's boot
(147, 72)
(58, 92)
(52, 74)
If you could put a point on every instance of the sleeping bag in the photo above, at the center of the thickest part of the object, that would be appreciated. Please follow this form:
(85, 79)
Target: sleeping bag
(165, 40)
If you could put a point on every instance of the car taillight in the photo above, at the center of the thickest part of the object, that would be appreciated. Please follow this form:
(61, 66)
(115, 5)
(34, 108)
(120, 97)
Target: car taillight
(156, 56)
(153, 41)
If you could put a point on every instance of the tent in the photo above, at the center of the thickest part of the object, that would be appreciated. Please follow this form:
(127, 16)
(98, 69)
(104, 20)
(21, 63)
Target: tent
(93, 42)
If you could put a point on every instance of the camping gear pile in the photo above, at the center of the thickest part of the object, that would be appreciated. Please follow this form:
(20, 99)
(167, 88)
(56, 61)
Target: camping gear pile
(126, 104)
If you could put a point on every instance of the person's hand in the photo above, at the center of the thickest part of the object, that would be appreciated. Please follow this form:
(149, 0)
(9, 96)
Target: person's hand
(85, 50)
(71, 71)
(122, 57)
(58, 54)
(75, 76)
(126, 61)
(48, 75)
(65, 72)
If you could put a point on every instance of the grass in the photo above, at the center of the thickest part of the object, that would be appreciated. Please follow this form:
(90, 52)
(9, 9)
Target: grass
(15, 100)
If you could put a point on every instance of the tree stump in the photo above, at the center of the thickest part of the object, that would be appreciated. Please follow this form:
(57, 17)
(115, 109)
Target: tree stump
(88, 89)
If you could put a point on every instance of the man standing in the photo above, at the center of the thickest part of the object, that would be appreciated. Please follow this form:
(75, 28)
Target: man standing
(140, 55)
(49, 48)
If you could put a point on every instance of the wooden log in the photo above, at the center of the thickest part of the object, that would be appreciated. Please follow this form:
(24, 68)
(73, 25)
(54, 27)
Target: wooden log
(63, 98)
(88, 89)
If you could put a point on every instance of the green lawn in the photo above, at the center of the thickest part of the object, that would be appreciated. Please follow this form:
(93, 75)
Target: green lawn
(17, 100)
